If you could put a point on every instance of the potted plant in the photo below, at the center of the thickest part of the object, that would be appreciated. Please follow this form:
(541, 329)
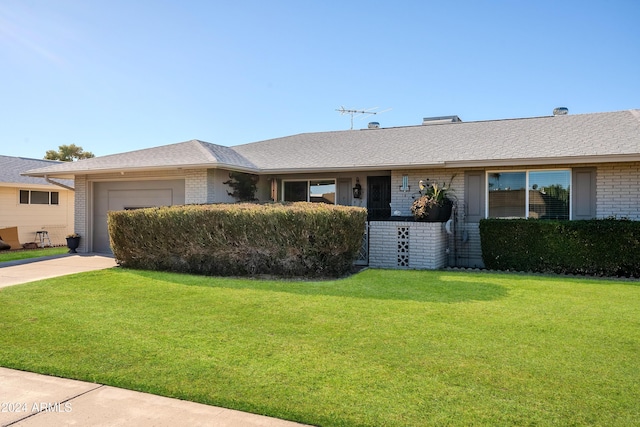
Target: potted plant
(73, 241)
(434, 204)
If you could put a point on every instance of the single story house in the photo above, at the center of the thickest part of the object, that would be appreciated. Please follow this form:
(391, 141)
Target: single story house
(560, 166)
(33, 204)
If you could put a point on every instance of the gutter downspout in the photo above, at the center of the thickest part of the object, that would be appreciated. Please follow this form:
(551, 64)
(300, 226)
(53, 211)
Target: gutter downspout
(50, 181)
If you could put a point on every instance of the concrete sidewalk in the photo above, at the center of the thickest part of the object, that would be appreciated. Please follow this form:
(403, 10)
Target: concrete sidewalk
(33, 400)
(29, 270)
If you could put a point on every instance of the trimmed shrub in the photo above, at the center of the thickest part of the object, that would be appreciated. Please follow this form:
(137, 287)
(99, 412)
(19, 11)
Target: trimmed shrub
(602, 247)
(299, 239)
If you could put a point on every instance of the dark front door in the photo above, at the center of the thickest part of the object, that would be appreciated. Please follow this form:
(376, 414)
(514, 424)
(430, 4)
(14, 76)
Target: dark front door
(379, 197)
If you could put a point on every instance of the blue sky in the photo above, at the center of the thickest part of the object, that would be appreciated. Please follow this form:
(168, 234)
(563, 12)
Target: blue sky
(121, 75)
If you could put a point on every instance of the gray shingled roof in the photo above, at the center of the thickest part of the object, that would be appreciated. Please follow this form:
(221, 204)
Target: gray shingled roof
(571, 138)
(192, 153)
(577, 138)
(12, 167)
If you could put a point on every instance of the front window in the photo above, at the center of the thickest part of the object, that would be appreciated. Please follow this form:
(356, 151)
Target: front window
(295, 191)
(32, 197)
(529, 194)
(507, 195)
(549, 194)
(315, 191)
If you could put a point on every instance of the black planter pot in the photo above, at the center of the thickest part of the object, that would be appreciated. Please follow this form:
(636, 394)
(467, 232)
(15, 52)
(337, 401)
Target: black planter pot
(72, 244)
(438, 213)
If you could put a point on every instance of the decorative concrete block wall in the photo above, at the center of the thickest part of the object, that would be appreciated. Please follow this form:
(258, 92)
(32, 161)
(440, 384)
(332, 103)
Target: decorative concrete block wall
(407, 245)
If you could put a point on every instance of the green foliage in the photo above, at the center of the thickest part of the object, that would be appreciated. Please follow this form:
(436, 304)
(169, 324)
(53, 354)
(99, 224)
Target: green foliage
(380, 348)
(244, 186)
(68, 153)
(299, 239)
(432, 197)
(6, 256)
(604, 247)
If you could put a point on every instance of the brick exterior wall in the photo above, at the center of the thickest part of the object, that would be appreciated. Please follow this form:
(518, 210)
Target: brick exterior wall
(196, 186)
(618, 191)
(81, 225)
(401, 201)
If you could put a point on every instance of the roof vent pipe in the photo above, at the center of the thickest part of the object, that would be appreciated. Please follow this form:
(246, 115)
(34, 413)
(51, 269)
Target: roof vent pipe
(560, 111)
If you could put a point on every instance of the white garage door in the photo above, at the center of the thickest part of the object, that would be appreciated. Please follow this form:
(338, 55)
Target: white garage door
(115, 196)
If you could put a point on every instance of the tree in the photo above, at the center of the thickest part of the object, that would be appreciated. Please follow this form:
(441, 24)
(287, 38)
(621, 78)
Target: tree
(68, 153)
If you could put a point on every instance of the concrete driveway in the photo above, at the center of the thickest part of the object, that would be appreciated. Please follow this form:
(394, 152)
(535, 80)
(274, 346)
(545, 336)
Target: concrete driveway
(29, 270)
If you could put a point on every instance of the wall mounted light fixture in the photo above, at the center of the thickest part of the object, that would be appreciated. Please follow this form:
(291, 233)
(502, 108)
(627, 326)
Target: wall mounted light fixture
(405, 187)
(357, 189)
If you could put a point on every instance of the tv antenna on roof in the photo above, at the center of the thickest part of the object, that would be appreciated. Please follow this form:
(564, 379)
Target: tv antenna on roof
(365, 113)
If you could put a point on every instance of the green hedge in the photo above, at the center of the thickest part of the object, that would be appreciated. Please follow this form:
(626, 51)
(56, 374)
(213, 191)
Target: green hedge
(299, 239)
(604, 247)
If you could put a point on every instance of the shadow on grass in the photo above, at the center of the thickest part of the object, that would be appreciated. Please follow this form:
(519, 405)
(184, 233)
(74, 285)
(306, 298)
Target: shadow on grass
(420, 286)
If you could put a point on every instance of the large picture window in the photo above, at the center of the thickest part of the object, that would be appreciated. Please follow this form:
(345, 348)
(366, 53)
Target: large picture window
(316, 191)
(32, 197)
(543, 194)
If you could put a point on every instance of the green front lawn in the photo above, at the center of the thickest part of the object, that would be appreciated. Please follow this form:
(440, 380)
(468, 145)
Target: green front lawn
(31, 253)
(392, 348)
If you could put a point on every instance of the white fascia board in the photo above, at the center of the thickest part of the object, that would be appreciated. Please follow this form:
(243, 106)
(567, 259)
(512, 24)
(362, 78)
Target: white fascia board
(548, 161)
(355, 168)
(71, 174)
(28, 186)
(61, 175)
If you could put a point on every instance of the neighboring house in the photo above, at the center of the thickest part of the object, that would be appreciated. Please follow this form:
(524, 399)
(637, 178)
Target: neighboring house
(33, 204)
(566, 166)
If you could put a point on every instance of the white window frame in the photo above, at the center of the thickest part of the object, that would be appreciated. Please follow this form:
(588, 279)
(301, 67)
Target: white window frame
(526, 174)
(39, 191)
(308, 181)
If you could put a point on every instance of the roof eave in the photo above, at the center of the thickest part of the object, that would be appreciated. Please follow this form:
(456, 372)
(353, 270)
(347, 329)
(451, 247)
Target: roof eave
(549, 161)
(352, 168)
(26, 185)
(545, 161)
(125, 170)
